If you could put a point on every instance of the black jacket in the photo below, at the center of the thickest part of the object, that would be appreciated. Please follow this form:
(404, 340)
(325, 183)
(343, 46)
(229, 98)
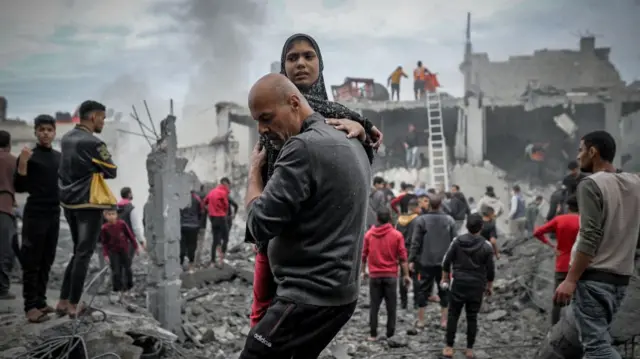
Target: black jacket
(41, 181)
(406, 223)
(471, 259)
(191, 216)
(432, 235)
(124, 213)
(557, 198)
(83, 154)
(458, 207)
(313, 211)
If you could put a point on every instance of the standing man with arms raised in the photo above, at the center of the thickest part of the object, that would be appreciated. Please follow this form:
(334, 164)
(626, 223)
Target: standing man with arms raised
(37, 174)
(603, 262)
(84, 165)
(312, 219)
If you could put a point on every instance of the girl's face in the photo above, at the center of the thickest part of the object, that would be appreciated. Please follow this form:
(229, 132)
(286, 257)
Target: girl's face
(302, 65)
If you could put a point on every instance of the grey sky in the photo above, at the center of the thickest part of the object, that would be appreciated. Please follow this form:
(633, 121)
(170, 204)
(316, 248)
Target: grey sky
(54, 54)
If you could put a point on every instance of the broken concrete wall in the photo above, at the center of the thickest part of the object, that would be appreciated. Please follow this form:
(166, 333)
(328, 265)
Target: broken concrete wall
(209, 162)
(567, 70)
(630, 133)
(510, 129)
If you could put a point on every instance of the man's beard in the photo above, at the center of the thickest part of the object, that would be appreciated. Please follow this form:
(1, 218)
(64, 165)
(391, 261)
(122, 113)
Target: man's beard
(587, 169)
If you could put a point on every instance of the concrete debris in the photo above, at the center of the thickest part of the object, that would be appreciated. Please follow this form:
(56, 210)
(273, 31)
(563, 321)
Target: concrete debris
(215, 304)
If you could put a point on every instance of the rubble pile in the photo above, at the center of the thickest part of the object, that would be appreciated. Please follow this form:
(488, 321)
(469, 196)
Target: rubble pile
(217, 316)
(216, 304)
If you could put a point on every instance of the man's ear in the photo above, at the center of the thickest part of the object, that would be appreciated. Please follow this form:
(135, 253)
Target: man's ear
(294, 102)
(592, 152)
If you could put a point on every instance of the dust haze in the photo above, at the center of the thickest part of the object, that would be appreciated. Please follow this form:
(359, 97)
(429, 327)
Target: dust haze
(220, 41)
(132, 150)
(219, 36)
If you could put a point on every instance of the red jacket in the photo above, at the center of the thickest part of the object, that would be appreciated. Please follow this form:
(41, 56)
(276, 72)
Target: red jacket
(383, 249)
(117, 237)
(566, 228)
(217, 201)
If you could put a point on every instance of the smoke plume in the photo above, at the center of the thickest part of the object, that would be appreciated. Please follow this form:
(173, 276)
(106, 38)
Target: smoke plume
(130, 151)
(220, 38)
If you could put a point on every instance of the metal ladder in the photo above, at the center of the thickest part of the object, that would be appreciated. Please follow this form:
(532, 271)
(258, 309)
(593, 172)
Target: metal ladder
(438, 164)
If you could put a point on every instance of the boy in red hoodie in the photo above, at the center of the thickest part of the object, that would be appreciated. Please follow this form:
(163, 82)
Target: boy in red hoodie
(566, 228)
(117, 239)
(383, 249)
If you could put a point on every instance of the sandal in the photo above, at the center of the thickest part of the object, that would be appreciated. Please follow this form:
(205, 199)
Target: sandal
(447, 352)
(35, 316)
(47, 310)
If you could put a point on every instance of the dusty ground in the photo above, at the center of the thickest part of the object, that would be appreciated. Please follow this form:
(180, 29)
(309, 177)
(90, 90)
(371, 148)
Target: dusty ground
(216, 307)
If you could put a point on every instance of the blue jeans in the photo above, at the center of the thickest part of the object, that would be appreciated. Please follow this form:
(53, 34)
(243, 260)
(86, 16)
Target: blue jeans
(594, 306)
(412, 157)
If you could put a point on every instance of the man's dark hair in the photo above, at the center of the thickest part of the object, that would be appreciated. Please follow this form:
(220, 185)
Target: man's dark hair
(125, 192)
(201, 188)
(431, 191)
(435, 202)
(225, 180)
(424, 195)
(392, 184)
(573, 165)
(5, 139)
(378, 180)
(44, 120)
(474, 223)
(412, 204)
(88, 107)
(516, 188)
(447, 195)
(384, 216)
(539, 198)
(603, 142)
(487, 210)
(419, 63)
(403, 186)
(572, 203)
(456, 187)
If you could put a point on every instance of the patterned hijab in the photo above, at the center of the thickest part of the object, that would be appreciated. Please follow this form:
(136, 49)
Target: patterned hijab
(316, 95)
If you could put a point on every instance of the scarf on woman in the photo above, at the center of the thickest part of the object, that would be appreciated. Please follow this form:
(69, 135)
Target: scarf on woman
(317, 97)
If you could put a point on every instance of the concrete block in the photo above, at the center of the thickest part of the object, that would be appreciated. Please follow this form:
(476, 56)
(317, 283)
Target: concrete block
(207, 276)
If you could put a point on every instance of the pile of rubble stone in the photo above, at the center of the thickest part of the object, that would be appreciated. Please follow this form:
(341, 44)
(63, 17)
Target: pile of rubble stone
(215, 305)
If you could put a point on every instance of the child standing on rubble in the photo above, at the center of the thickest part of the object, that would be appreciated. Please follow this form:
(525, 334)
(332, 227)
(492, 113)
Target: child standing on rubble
(117, 238)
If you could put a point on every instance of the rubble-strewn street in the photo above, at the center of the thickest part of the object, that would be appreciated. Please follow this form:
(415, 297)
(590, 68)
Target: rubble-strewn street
(215, 315)
(215, 309)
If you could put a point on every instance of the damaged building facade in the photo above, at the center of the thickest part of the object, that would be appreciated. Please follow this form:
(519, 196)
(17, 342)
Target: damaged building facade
(551, 97)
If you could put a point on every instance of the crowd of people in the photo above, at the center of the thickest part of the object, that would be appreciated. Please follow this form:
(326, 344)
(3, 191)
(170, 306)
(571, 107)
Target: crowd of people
(320, 226)
(74, 179)
(433, 242)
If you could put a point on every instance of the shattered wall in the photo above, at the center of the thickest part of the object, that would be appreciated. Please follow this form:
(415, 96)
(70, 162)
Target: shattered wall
(209, 162)
(630, 133)
(510, 129)
(569, 70)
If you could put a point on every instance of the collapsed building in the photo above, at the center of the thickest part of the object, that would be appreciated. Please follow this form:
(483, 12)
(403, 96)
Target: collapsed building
(550, 97)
